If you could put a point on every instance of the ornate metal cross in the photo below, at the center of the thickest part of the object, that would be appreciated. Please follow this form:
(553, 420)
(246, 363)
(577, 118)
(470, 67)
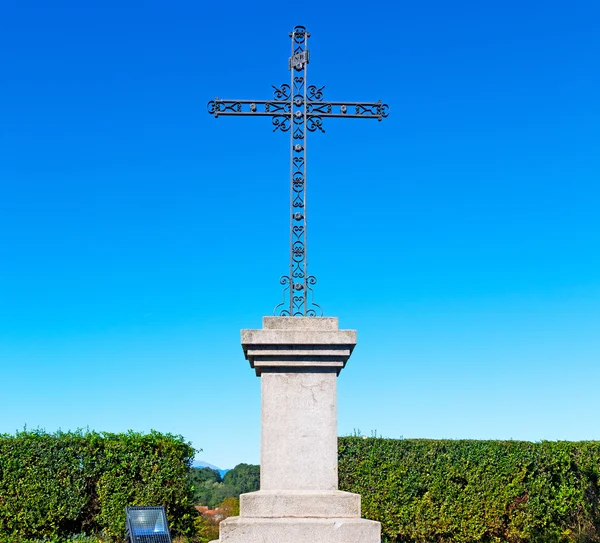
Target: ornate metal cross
(296, 108)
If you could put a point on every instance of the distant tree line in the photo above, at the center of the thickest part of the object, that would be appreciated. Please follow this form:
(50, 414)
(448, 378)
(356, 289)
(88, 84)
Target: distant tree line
(210, 489)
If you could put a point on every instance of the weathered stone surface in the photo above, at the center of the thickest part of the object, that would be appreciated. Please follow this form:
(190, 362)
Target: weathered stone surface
(300, 323)
(299, 530)
(298, 431)
(298, 337)
(299, 504)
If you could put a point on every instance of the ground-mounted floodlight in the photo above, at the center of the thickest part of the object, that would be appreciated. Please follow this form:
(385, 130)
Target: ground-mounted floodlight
(147, 525)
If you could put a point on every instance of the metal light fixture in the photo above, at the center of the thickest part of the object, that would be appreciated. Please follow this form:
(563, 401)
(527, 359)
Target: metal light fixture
(147, 525)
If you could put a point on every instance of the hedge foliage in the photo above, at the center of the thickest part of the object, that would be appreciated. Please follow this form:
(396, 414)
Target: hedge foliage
(475, 491)
(54, 485)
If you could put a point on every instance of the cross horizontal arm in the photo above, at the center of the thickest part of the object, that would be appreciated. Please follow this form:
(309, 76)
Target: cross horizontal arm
(271, 108)
(353, 110)
(275, 108)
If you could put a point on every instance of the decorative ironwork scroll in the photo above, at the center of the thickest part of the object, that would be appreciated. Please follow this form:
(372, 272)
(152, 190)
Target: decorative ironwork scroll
(297, 108)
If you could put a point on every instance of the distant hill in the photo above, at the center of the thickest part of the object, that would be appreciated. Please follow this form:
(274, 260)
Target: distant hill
(212, 489)
(201, 464)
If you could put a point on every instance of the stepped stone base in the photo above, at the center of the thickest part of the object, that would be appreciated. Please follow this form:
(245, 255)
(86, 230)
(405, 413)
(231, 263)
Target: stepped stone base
(300, 504)
(299, 516)
(299, 530)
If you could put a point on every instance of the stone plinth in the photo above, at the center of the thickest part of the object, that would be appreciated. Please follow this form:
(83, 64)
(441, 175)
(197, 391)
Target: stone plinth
(298, 360)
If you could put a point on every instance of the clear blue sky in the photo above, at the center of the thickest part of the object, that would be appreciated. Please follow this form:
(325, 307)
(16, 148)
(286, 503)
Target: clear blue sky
(460, 236)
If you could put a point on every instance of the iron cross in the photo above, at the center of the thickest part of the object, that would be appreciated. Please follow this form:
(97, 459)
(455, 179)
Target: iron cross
(297, 108)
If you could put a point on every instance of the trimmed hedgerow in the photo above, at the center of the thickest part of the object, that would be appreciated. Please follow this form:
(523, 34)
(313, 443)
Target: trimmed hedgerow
(475, 491)
(55, 485)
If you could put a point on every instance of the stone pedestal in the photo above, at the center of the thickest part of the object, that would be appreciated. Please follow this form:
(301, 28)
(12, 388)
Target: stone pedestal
(298, 360)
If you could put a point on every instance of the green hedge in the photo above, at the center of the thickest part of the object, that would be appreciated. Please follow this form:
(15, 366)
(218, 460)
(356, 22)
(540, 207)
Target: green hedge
(475, 491)
(54, 485)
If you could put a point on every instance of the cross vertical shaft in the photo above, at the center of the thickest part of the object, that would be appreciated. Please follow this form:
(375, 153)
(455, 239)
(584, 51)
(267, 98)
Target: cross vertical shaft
(298, 282)
(298, 108)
